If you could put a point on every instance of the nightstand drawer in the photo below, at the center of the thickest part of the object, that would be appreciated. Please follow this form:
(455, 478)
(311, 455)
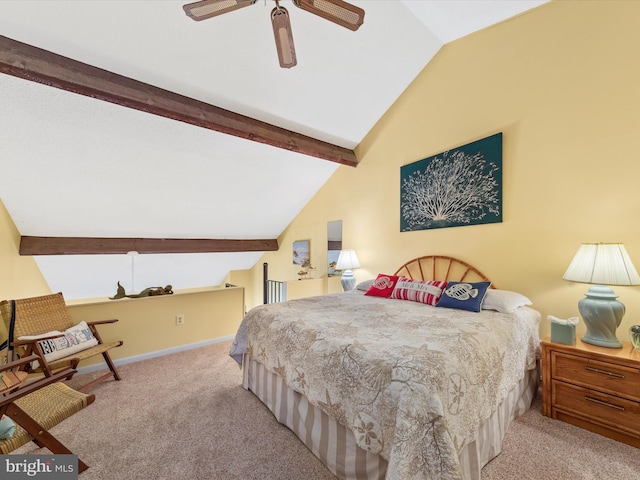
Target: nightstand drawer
(617, 412)
(608, 377)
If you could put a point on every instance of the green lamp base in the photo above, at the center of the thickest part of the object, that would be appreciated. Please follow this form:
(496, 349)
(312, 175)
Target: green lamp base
(602, 314)
(348, 281)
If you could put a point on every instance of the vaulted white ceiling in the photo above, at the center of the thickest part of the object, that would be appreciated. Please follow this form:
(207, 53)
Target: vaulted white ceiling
(75, 166)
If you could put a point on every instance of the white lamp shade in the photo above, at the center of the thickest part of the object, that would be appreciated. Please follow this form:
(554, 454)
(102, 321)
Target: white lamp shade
(602, 264)
(347, 260)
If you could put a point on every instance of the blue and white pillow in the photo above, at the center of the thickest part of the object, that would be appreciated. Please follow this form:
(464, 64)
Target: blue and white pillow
(464, 295)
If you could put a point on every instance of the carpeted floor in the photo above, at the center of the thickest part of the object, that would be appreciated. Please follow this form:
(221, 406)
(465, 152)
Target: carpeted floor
(186, 416)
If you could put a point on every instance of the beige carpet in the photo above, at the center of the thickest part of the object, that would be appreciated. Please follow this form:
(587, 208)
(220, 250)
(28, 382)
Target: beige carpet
(186, 416)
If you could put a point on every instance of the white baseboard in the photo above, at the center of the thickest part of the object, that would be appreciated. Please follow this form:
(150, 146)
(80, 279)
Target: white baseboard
(158, 353)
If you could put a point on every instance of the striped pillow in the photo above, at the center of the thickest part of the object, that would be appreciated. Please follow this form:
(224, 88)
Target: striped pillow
(419, 291)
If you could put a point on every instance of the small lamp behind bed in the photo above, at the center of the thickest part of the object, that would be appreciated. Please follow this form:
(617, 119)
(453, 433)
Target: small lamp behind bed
(346, 261)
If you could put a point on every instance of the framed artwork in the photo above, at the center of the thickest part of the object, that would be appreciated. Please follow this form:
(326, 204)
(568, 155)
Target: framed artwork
(332, 256)
(458, 187)
(301, 252)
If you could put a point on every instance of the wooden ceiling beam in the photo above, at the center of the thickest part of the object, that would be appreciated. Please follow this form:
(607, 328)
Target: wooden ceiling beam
(102, 246)
(41, 66)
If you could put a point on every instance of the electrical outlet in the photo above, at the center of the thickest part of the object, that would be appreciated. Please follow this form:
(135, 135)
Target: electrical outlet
(180, 319)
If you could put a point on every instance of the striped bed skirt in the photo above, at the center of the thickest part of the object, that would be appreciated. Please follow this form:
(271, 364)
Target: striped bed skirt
(335, 445)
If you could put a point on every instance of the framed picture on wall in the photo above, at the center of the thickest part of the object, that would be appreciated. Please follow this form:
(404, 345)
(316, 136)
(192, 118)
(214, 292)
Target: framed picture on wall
(332, 256)
(334, 246)
(301, 252)
(462, 186)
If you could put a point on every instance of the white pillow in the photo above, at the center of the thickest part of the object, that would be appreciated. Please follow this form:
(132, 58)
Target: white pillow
(366, 285)
(75, 339)
(504, 301)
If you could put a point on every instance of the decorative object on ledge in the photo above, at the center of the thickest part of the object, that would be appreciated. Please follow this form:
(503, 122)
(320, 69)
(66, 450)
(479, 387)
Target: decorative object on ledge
(305, 271)
(147, 292)
(461, 186)
(346, 261)
(634, 336)
(331, 268)
(602, 264)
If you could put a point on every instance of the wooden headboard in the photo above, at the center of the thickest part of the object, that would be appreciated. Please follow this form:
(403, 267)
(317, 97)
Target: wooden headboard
(439, 267)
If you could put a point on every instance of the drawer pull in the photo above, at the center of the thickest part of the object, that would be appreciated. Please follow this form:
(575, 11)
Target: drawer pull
(604, 372)
(606, 404)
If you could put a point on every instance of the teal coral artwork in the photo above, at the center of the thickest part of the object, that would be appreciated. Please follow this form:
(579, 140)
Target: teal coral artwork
(457, 187)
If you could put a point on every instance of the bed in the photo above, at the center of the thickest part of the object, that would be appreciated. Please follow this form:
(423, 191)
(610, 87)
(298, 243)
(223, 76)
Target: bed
(390, 388)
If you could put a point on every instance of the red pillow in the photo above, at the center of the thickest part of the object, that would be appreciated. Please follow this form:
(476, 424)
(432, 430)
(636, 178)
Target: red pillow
(383, 285)
(419, 291)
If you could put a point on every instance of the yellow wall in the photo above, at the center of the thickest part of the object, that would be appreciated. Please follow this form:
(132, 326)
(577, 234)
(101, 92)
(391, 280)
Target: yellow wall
(562, 82)
(149, 325)
(242, 278)
(19, 276)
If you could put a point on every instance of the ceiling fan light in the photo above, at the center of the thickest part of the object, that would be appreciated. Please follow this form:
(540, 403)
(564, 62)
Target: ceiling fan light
(336, 11)
(211, 8)
(284, 37)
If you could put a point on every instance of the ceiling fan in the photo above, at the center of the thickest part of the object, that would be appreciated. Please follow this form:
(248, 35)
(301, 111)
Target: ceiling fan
(336, 11)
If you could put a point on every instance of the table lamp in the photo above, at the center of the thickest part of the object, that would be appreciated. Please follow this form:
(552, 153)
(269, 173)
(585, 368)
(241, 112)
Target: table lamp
(346, 261)
(602, 264)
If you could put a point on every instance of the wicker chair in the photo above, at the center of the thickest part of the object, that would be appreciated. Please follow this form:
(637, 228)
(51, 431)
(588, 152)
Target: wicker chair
(37, 407)
(37, 316)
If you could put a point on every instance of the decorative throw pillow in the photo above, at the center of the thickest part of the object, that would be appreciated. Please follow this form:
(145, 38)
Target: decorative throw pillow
(72, 340)
(464, 295)
(418, 291)
(383, 285)
(504, 301)
(7, 427)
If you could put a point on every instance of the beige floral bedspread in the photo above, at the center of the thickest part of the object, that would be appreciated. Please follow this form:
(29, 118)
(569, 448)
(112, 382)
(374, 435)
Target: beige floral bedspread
(411, 381)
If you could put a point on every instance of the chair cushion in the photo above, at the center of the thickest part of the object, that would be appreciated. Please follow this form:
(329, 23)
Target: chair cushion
(84, 354)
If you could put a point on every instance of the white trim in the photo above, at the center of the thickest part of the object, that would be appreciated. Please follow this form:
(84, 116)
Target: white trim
(158, 353)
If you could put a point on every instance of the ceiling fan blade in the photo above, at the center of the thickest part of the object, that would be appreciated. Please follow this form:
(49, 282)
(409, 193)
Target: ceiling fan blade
(336, 11)
(284, 37)
(212, 8)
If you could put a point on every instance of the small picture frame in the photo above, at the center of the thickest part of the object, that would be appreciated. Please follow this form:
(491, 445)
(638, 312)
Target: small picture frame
(333, 256)
(301, 252)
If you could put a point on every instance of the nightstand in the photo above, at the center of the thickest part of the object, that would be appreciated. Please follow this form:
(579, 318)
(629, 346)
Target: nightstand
(595, 388)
